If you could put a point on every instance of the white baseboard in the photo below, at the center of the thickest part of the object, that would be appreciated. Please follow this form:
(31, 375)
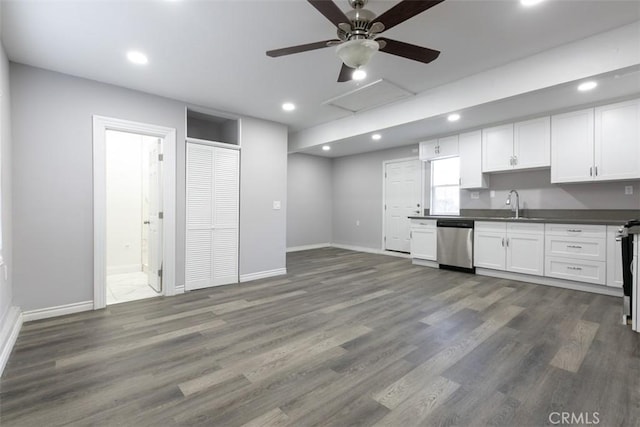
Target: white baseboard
(179, 289)
(550, 281)
(308, 247)
(61, 310)
(369, 250)
(262, 274)
(8, 334)
(122, 269)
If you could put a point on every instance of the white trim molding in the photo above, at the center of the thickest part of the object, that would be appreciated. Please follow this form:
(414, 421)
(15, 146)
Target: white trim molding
(100, 126)
(59, 310)
(550, 281)
(262, 274)
(308, 247)
(9, 334)
(370, 250)
(179, 289)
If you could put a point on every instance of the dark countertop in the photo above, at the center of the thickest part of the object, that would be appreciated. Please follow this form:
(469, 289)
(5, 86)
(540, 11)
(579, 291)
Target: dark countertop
(530, 220)
(546, 216)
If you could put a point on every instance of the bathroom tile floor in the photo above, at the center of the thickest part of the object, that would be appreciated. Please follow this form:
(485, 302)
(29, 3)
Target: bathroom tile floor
(128, 287)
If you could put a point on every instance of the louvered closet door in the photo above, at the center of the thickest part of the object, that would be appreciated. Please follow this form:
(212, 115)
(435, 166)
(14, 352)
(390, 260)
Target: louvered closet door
(212, 216)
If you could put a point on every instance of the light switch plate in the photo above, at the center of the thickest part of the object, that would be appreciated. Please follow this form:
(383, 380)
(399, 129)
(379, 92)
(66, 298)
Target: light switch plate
(276, 205)
(492, 194)
(628, 189)
(475, 195)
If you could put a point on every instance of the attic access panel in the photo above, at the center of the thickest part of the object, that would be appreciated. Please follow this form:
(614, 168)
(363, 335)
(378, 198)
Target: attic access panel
(373, 95)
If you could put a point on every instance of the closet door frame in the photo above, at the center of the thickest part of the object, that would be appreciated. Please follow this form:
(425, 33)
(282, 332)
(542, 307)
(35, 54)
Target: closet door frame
(213, 144)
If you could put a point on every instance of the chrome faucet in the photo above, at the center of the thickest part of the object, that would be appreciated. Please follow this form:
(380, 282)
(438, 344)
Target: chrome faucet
(515, 208)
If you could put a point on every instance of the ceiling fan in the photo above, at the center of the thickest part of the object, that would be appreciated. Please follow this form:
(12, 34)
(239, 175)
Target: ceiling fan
(358, 32)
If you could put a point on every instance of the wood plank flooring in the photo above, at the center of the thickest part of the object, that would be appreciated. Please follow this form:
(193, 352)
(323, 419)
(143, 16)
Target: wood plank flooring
(346, 338)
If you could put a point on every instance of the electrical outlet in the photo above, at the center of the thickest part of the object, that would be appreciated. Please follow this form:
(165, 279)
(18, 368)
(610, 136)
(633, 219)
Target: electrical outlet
(475, 195)
(492, 194)
(357, 223)
(276, 205)
(628, 189)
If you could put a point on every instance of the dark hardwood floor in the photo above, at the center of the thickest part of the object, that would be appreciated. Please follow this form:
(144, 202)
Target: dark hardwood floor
(346, 338)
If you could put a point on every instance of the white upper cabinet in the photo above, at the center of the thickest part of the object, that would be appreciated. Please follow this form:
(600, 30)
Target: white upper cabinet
(471, 176)
(439, 148)
(497, 148)
(520, 145)
(617, 141)
(532, 143)
(572, 146)
(600, 144)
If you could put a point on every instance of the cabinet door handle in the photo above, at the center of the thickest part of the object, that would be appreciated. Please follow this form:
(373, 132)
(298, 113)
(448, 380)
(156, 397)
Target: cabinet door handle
(411, 235)
(574, 230)
(511, 161)
(574, 268)
(507, 242)
(503, 242)
(596, 171)
(574, 246)
(515, 160)
(591, 171)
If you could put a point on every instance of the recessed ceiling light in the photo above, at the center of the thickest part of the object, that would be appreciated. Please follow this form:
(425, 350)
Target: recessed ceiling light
(453, 117)
(137, 57)
(583, 87)
(326, 148)
(530, 2)
(359, 74)
(288, 106)
(376, 137)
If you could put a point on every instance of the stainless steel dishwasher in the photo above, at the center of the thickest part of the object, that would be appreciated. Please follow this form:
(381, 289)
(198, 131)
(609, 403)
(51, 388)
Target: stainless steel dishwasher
(455, 244)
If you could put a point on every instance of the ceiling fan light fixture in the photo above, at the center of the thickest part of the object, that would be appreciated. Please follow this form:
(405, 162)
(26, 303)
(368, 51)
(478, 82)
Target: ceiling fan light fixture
(359, 74)
(356, 53)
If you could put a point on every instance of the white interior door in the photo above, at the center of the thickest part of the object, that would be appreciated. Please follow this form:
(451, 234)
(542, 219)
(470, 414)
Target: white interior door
(155, 217)
(212, 216)
(403, 188)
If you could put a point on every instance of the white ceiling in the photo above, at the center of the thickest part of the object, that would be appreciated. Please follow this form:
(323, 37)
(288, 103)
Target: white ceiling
(212, 53)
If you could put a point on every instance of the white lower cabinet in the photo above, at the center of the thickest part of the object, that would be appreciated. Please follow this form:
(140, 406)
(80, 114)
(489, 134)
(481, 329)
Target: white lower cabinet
(514, 247)
(614, 258)
(576, 252)
(424, 239)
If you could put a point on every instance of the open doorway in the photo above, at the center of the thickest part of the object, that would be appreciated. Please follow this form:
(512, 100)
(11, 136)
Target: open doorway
(134, 208)
(134, 216)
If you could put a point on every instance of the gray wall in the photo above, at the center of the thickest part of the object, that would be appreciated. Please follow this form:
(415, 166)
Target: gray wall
(263, 180)
(357, 196)
(537, 192)
(6, 157)
(310, 194)
(52, 116)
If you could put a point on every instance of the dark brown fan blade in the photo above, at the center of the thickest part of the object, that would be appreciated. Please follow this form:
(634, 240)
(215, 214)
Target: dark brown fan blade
(409, 51)
(299, 48)
(330, 11)
(404, 10)
(346, 73)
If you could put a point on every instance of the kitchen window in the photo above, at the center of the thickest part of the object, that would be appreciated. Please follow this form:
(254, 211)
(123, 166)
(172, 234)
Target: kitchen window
(445, 186)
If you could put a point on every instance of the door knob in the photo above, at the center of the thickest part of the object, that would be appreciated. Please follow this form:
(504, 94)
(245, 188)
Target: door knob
(147, 222)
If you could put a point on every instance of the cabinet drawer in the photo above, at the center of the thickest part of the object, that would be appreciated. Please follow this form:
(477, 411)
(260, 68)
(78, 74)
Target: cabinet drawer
(575, 230)
(495, 226)
(575, 247)
(423, 223)
(525, 228)
(576, 269)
